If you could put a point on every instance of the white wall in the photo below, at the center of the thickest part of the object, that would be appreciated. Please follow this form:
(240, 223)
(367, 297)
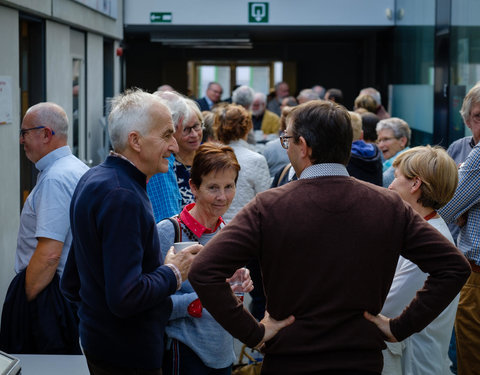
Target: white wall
(281, 12)
(9, 152)
(95, 96)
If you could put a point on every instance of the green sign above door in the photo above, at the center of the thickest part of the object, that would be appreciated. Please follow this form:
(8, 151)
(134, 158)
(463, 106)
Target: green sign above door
(258, 12)
(160, 17)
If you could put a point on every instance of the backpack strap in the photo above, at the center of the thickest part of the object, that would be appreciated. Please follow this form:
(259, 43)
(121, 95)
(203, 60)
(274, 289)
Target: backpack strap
(176, 226)
(284, 172)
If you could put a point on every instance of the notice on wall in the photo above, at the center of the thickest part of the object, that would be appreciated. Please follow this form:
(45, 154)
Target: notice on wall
(6, 108)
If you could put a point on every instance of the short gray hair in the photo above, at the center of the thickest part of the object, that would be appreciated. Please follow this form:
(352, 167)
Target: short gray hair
(261, 96)
(308, 94)
(131, 112)
(50, 115)
(399, 127)
(243, 96)
(472, 98)
(176, 104)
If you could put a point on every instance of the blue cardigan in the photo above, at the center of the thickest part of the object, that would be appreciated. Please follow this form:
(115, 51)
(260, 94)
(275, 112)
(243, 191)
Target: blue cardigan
(114, 268)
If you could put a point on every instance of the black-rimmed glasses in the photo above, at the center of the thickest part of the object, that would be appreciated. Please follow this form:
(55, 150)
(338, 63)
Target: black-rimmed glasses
(25, 131)
(284, 140)
(186, 131)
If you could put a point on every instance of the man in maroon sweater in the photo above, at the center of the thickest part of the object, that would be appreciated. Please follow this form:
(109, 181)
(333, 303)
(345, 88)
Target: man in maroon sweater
(328, 245)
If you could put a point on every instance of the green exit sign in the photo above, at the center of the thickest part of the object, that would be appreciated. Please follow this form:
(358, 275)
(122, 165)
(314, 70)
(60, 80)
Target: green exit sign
(258, 12)
(161, 17)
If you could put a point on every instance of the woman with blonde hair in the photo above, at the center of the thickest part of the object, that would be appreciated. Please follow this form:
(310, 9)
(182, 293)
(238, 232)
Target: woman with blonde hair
(426, 178)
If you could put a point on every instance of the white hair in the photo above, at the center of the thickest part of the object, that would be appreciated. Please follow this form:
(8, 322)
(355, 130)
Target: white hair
(131, 112)
(176, 103)
(374, 93)
(243, 96)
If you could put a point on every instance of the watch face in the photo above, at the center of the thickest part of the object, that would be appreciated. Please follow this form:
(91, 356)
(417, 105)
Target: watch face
(9, 365)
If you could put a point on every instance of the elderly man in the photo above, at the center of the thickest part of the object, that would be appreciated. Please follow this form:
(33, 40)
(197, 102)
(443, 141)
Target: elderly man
(162, 188)
(281, 91)
(262, 119)
(114, 270)
(243, 96)
(328, 245)
(465, 209)
(44, 240)
(212, 96)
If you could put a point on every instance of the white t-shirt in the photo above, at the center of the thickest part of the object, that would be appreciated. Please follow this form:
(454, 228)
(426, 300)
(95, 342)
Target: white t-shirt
(425, 352)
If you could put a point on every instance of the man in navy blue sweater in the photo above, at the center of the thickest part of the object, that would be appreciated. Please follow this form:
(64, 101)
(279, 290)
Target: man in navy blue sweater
(114, 270)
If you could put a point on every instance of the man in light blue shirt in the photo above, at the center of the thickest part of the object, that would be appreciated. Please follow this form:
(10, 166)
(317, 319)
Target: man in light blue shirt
(44, 236)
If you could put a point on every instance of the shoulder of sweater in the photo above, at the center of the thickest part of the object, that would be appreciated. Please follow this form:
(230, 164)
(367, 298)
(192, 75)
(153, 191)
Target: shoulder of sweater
(271, 114)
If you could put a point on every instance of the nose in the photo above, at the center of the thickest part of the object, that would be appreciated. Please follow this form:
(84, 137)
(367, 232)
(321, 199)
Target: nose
(173, 146)
(221, 196)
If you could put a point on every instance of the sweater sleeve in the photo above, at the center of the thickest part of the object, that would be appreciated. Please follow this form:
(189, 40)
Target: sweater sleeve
(448, 271)
(231, 249)
(128, 288)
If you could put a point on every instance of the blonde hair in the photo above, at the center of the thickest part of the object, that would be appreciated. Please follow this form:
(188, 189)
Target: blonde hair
(366, 101)
(435, 168)
(356, 121)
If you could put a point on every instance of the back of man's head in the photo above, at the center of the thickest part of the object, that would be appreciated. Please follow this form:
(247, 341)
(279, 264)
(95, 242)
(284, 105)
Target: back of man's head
(243, 96)
(334, 95)
(326, 128)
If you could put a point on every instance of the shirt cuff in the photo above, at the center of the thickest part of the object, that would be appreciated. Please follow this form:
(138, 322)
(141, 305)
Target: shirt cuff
(177, 273)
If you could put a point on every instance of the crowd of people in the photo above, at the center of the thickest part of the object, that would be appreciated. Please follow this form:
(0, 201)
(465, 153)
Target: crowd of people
(334, 224)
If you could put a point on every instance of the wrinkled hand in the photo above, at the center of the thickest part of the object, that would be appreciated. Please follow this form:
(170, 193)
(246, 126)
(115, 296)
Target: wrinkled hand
(383, 324)
(462, 220)
(183, 259)
(272, 327)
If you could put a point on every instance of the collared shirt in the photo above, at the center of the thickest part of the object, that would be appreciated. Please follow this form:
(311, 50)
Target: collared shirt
(467, 198)
(162, 189)
(209, 102)
(325, 169)
(192, 223)
(47, 208)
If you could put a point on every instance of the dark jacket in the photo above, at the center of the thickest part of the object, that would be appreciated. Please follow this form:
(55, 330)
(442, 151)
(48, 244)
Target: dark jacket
(202, 103)
(366, 162)
(114, 268)
(46, 325)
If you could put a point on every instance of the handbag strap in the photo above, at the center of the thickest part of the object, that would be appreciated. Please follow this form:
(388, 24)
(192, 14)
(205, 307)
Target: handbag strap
(176, 226)
(243, 352)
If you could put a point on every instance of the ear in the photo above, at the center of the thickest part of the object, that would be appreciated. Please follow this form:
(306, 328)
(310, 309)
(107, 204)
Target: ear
(403, 141)
(193, 187)
(305, 150)
(361, 134)
(134, 141)
(417, 182)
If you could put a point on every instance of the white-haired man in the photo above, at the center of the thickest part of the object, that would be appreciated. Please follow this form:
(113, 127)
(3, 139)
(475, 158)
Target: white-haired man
(263, 119)
(114, 270)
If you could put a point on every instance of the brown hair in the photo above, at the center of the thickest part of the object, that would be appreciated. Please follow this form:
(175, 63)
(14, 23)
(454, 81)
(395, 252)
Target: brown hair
(367, 102)
(283, 118)
(232, 122)
(212, 157)
(435, 168)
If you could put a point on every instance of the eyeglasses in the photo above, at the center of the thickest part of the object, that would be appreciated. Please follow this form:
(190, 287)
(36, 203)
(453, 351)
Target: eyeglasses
(475, 117)
(284, 140)
(25, 131)
(387, 139)
(198, 126)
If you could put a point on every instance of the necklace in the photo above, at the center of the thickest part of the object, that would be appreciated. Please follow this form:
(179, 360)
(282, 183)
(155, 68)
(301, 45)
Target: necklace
(431, 215)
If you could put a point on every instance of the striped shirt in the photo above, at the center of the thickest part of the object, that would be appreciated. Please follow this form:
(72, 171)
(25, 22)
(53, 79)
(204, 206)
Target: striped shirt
(467, 198)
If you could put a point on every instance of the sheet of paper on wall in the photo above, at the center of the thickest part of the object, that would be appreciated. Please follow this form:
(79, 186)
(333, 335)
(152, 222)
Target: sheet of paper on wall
(5, 100)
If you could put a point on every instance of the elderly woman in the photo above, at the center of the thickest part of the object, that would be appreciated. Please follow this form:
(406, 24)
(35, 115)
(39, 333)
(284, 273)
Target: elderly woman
(426, 178)
(197, 343)
(189, 140)
(393, 138)
(232, 124)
